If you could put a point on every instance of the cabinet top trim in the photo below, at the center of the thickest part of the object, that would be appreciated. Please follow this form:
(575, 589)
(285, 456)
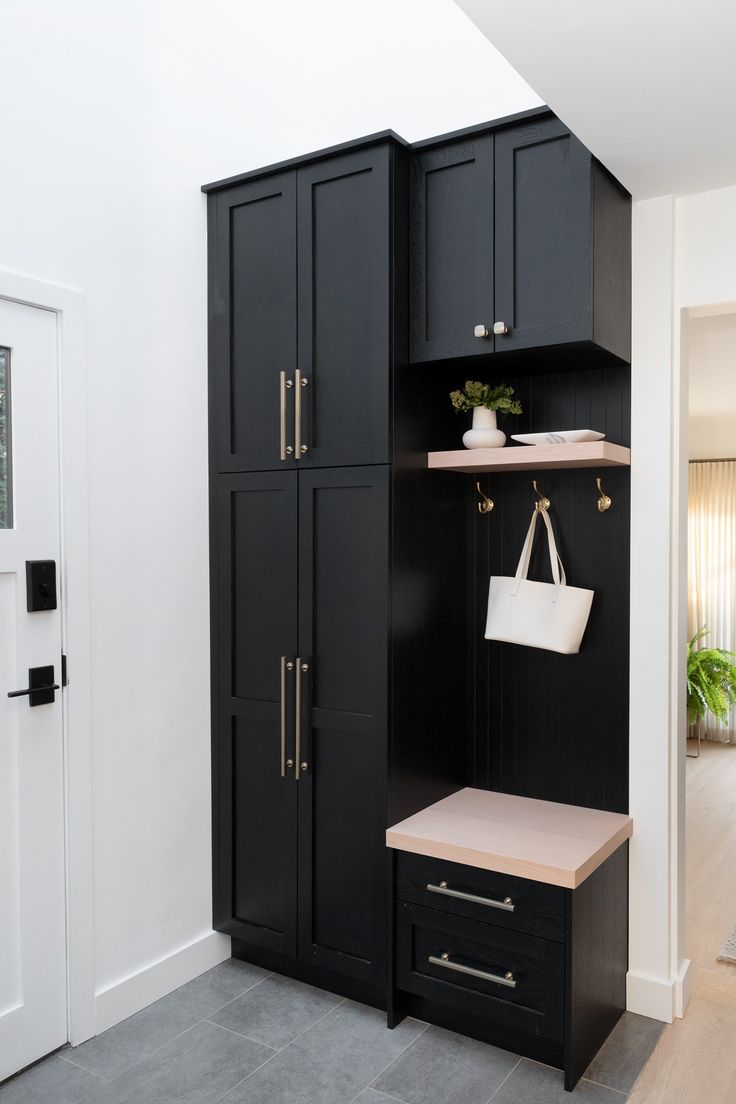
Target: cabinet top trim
(372, 140)
(543, 841)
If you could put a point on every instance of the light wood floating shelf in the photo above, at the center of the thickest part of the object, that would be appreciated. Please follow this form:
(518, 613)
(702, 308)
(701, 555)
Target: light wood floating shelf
(541, 840)
(586, 454)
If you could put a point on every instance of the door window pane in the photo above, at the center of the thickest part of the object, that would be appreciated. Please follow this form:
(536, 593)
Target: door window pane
(6, 497)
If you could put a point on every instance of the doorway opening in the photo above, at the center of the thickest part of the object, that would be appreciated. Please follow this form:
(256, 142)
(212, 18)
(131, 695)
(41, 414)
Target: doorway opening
(710, 353)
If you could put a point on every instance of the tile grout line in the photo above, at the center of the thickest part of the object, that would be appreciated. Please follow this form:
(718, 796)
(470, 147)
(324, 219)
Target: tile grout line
(83, 1068)
(388, 1066)
(140, 1061)
(280, 1050)
(393, 1060)
(610, 1088)
(498, 1088)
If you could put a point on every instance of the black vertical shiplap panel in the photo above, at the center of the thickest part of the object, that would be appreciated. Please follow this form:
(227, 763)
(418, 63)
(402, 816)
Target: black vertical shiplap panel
(548, 725)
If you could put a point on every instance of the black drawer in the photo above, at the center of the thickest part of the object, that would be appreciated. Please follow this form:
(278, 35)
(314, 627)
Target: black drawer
(514, 903)
(454, 961)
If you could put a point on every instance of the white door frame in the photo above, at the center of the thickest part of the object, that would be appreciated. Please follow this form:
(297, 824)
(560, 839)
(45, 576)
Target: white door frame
(69, 307)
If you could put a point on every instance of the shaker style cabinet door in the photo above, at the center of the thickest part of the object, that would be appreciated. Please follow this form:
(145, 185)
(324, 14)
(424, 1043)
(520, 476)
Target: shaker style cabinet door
(255, 596)
(253, 324)
(451, 250)
(343, 640)
(344, 248)
(544, 273)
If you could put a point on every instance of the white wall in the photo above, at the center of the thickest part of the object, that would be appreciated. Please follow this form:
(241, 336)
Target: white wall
(113, 117)
(683, 269)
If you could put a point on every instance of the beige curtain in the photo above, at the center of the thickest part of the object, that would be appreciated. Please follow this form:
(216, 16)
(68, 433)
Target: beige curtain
(712, 567)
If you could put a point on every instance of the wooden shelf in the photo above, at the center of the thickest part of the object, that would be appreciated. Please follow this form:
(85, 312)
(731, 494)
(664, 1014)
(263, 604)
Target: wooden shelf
(540, 840)
(587, 454)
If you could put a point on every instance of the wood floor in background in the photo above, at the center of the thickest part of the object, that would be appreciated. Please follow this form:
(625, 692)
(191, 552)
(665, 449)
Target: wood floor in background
(695, 1059)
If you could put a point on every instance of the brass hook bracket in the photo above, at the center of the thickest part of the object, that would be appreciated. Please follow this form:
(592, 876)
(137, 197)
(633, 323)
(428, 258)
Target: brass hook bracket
(544, 503)
(486, 504)
(604, 502)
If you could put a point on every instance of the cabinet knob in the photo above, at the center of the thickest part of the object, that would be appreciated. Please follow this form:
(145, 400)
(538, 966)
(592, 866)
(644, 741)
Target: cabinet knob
(481, 330)
(500, 328)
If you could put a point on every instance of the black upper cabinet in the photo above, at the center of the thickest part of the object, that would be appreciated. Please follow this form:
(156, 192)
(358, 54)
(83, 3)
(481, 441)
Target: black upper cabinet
(344, 309)
(301, 315)
(253, 323)
(451, 243)
(520, 240)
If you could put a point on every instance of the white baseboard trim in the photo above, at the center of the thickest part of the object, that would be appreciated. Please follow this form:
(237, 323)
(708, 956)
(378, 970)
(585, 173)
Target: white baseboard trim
(651, 996)
(683, 988)
(125, 997)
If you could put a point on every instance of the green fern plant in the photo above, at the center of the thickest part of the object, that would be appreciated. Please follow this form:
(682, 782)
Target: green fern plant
(711, 680)
(491, 396)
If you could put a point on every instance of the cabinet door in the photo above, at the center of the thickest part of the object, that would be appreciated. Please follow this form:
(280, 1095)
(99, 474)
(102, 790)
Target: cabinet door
(451, 247)
(254, 621)
(344, 309)
(343, 633)
(253, 324)
(543, 236)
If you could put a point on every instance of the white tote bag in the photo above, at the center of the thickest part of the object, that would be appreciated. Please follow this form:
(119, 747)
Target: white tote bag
(538, 615)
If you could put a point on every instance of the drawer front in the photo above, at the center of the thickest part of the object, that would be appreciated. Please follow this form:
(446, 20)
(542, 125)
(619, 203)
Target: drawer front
(508, 902)
(514, 979)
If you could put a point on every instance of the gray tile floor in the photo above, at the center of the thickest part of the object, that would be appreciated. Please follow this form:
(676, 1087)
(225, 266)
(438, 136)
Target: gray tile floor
(240, 1035)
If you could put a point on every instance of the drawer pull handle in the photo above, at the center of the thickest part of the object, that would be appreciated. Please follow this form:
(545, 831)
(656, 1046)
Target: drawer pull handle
(443, 960)
(507, 904)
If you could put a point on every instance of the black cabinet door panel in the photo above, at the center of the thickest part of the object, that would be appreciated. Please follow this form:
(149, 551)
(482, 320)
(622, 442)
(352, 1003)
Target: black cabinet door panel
(543, 237)
(451, 243)
(253, 323)
(255, 805)
(344, 308)
(343, 634)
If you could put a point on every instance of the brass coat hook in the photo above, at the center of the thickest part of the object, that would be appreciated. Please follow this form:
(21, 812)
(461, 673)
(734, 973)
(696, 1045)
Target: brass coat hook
(487, 504)
(604, 502)
(544, 503)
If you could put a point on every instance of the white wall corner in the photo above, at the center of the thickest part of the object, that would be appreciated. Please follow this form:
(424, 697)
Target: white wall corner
(129, 995)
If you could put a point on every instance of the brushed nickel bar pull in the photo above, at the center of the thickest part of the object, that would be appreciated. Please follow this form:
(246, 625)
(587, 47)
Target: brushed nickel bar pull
(507, 904)
(506, 979)
(284, 668)
(298, 710)
(284, 449)
(298, 431)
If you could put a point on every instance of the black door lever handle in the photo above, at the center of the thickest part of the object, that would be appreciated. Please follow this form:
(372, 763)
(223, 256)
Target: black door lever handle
(41, 687)
(32, 690)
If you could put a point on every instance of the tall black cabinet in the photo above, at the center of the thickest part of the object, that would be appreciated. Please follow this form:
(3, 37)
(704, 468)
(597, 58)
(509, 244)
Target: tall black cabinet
(316, 469)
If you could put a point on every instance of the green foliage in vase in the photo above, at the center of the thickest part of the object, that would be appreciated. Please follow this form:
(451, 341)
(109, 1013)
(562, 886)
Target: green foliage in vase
(711, 680)
(491, 396)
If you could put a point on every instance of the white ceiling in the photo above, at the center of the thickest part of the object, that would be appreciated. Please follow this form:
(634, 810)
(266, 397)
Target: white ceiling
(648, 85)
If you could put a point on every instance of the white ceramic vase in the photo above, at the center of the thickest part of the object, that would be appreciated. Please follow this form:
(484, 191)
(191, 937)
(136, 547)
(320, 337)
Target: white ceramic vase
(485, 433)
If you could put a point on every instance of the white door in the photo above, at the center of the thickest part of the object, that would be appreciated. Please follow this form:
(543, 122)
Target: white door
(32, 887)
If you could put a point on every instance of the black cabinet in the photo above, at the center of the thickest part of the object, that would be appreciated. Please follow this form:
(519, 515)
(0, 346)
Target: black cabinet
(343, 638)
(547, 979)
(451, 243)
(254, 600)
(301, 319)
(520, 241)
(301, 746)
(344, 309)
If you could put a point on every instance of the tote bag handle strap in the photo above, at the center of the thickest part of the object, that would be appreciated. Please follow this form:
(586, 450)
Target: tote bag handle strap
(558, 572)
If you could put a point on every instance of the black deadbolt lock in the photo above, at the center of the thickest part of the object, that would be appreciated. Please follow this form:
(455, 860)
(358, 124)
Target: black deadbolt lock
(40, 585)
